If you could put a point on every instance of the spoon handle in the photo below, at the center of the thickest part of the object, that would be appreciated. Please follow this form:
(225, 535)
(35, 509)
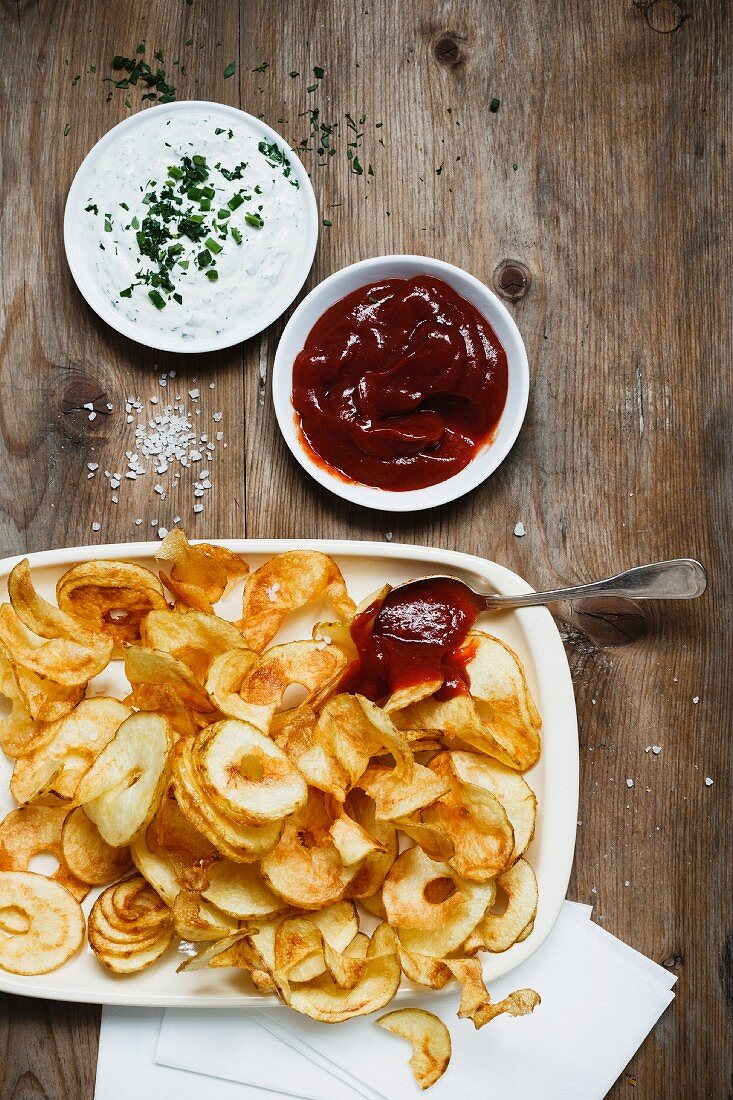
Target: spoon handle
(681, 579)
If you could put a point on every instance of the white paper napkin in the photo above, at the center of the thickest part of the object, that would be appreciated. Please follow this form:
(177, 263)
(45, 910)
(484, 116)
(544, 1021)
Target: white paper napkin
(600, 999)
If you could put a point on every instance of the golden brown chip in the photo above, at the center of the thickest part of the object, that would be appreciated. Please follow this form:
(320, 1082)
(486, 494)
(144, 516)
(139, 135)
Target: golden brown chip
(305, 867)
(45, 700)
(87, 855)
(519, 1003)
(122, 789)
(253, 690)
(241, 843)
(285, 583)
(59, 659)
(199, 920)
(395, 797)
(433, 907)
(199, 575)
(68, 748)
(246, 775)
(476, 822)
(151, 667)
(372, 870)
(110, 597)
(323, 999)
(70, 656)
(429, 1038)
(194, 638)
(129, 926)
(518, 886)
(240, 890)
(41, 923)
(511, 790)
(33, 831)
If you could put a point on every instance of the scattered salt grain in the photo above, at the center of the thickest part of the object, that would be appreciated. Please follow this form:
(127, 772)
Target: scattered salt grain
(629, 782)
(519, 530)
(656, 749)
(212, 385)
(92, 466)
(109, 406)
(115, 498)
(176, 519)
(708, 781)
(162, 532)
(696, 698)
(159, 490)
(88, 405)
(138, 522)
(96, 527)
(92, 416)
(217, 417)
(627, 883)
(198, 508)
(388, 536)
(194, 395)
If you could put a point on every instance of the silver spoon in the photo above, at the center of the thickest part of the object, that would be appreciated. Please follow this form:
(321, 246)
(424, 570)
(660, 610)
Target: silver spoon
(681, 579)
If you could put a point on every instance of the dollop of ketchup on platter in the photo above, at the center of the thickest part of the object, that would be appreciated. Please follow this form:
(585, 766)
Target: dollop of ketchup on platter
(399, 384)
(415, 635)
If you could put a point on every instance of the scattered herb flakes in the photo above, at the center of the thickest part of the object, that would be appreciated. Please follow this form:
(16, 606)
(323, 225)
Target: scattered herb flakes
(276, 159)
(327, 222)
(294, 73)
(311, 88)
(67, 127)
(75, 81)
(261, 67)
(439, 170)
(356, 166)
(92, 208)
(139, 72)
(318, 72)
(515, 166)
(230, 70)
(140, 48)
(494, 105)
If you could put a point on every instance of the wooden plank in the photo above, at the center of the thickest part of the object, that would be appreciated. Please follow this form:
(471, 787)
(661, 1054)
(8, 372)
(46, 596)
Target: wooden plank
(617, 119)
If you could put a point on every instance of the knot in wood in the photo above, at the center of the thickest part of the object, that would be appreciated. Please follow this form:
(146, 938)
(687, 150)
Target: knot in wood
(448, 49)
(665, 16)
(610, 621)
(512, 279)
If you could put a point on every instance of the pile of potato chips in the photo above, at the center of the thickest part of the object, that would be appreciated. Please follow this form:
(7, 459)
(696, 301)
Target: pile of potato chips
(213, 813)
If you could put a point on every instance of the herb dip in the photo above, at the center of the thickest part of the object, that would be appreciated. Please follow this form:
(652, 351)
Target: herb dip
(192, 223)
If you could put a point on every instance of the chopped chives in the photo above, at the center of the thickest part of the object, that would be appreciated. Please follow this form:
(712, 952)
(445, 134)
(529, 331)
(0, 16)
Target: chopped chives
(208, 192)
(175, 171)
(213, 274)
(236, 234)
(235, 201)
(205, 204)
(157, 299)
(255, 220)
(213, 244)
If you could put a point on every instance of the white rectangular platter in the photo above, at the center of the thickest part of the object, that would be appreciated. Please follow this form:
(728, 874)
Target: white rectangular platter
(366, 566)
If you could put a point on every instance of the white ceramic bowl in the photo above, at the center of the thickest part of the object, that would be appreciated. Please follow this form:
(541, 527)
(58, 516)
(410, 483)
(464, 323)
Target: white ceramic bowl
(336, 287)
(82, 269)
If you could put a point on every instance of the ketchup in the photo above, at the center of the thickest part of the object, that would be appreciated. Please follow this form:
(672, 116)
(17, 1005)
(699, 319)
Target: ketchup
(399, 384)
(417, 633)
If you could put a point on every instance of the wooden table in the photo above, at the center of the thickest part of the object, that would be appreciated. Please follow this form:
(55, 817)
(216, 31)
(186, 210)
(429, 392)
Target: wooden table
(597, 200)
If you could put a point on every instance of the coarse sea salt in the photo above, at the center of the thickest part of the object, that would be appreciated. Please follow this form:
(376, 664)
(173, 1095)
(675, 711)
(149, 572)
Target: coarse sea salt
(164, 435)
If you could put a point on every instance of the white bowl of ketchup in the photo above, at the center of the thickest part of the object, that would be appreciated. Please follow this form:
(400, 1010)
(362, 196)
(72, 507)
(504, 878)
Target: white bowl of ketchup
(401, 384)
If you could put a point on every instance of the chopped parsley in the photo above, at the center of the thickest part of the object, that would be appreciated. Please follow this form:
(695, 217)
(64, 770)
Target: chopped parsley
(276, 158)
(139, 72)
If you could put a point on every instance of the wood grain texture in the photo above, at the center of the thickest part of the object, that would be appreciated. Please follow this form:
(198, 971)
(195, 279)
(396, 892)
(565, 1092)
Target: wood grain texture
(605, 172)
